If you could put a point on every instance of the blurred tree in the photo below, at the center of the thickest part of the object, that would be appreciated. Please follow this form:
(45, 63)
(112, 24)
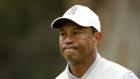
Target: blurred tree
(26, 40)
(29, 47)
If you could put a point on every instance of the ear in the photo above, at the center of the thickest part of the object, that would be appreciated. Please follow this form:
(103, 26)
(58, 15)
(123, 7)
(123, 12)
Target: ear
(96, 38)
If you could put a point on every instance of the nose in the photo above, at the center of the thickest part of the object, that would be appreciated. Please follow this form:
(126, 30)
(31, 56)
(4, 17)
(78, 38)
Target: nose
(69, 40)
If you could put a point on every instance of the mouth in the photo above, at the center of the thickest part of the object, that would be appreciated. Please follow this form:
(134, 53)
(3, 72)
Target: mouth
(69, 48)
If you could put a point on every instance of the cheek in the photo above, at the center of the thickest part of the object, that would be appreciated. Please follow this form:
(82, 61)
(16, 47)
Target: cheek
(61, 46)
(85, 45)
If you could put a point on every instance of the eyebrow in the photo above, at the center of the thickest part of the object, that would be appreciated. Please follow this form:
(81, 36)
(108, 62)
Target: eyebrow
(76, 28)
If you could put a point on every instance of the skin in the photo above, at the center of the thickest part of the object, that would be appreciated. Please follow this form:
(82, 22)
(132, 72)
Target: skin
(78, 46)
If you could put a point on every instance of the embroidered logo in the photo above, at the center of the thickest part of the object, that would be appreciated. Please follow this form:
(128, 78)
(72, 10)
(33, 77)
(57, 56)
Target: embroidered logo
(73, 10)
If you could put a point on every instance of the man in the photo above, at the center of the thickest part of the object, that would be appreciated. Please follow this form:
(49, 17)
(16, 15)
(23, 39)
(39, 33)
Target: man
(80, 33)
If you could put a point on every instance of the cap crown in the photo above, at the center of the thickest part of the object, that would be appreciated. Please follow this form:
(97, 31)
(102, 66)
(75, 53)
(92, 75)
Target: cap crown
(81, 15)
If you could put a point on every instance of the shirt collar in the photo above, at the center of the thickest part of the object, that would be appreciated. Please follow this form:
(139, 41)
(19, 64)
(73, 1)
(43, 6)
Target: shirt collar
(71, 76)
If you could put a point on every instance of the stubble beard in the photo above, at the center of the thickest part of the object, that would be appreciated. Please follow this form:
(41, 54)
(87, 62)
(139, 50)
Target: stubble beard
(72, 58)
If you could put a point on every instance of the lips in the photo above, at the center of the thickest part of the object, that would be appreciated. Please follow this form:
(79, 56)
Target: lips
(69, 47)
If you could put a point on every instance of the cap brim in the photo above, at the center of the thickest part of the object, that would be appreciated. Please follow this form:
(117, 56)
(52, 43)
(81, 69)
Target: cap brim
(58, 22)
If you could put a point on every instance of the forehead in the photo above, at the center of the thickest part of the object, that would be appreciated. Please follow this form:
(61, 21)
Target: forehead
(67, 24)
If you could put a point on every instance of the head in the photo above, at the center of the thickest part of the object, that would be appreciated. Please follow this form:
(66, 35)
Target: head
(79, 33)
(77, 42)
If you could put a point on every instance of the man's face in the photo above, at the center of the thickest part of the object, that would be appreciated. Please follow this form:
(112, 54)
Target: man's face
(76, 42)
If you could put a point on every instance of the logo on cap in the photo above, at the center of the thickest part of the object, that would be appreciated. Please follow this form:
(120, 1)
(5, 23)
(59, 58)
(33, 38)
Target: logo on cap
(73, 10)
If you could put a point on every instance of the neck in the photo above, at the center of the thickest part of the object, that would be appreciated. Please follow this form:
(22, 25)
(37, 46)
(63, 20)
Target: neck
(80, 69)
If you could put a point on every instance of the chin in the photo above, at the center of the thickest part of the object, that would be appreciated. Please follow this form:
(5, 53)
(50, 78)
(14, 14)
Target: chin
(72, 57)
(69, 56)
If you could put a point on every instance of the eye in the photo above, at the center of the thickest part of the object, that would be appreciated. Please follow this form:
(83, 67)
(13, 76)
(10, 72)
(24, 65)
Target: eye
(62, 34)
(76, 33)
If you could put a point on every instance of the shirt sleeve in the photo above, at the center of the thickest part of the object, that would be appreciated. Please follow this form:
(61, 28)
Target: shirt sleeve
(130, 75)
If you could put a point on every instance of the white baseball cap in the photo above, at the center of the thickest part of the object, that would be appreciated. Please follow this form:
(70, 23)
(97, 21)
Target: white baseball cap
(81, 15)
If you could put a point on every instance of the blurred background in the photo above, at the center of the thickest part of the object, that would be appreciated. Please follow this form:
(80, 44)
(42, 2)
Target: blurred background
(29, 47)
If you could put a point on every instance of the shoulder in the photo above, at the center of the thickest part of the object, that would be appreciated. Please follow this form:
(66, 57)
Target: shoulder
(114, 67)
(113, 70)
